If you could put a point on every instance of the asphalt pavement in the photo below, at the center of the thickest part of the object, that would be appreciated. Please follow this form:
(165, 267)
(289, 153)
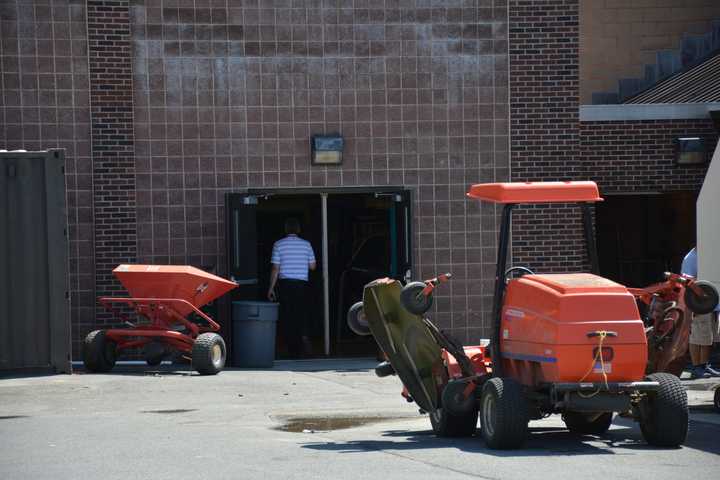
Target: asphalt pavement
(316, 419)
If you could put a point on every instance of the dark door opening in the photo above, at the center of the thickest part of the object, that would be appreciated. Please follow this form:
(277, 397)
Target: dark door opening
(272, 213)
(367, 237)
(641, 236)
(366, 240)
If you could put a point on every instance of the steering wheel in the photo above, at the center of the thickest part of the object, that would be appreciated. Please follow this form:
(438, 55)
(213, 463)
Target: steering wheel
(522, 270)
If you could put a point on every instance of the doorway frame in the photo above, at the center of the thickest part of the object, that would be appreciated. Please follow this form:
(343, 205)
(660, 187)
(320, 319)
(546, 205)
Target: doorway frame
(324, 192)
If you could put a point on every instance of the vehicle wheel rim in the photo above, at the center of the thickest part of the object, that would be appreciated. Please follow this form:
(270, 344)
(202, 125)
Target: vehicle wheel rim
(216, 353)
(487, 415)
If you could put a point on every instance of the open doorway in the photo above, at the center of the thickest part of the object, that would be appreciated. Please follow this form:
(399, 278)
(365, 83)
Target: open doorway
(367, 237)
(641, 236)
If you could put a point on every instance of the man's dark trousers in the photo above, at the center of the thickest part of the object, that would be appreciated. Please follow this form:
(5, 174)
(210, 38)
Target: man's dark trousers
(294, 304)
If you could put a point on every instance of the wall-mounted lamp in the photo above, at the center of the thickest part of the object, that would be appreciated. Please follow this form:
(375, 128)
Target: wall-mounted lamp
(690, 151)
(326, 149)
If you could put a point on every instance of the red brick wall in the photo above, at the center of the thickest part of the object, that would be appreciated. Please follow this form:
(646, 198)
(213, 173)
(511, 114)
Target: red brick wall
(636, 156)
(111, 101)
(544, 121)
(548, 142)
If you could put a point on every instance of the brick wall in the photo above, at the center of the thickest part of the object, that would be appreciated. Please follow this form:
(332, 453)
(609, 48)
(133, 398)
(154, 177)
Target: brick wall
(113, 172)
(639, 156)
(544, 124)
(44, 103)
(226, 98)
(548, 142)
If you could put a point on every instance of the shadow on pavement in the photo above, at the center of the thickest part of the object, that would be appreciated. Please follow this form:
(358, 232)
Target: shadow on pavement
(541, 441)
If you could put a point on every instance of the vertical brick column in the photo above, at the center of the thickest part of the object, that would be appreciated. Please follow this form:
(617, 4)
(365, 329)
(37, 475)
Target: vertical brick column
(544, 114)
(111, 101)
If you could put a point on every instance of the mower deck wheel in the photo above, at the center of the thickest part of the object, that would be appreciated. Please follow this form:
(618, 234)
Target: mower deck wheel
(357, 321)
(702, 305)
(503, 413)
(208, 353)
(384, 369)
(445, 424)
(664, 414)
(99, 353)
(587, 424)
(413, 300)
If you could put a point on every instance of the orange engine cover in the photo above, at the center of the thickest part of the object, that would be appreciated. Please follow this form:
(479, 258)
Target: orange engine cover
(545, 324)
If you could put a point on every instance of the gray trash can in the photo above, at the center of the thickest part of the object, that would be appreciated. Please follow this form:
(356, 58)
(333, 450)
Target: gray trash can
(254, 326)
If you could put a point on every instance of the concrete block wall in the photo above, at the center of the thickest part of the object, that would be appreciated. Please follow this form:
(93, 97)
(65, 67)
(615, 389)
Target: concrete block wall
(45, 103)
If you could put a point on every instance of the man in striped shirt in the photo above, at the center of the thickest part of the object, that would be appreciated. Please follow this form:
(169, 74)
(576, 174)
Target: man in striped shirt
(292, 259)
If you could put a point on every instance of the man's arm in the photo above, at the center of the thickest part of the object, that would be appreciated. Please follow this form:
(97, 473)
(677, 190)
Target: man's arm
(312, 265)
(274, 272)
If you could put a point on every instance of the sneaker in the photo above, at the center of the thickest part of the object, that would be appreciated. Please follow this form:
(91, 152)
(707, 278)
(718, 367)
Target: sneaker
(711, 371)
(699, 371)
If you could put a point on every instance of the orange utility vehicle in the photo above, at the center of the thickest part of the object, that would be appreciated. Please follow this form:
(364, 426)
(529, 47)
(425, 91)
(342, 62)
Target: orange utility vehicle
(572, 344)
(569, 343)
(166, 300)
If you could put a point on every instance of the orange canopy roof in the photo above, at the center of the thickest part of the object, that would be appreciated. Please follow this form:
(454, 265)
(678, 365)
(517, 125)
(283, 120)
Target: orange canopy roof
(536, 192)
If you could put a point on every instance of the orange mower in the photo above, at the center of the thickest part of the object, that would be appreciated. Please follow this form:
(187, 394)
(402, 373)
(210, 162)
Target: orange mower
(667, 309)
(572, 344)
(167, 300)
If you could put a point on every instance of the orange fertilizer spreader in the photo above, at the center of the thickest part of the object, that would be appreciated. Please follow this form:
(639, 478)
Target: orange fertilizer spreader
(166, 300)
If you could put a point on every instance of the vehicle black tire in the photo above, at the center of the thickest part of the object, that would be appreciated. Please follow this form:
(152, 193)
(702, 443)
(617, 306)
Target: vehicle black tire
(716, 400)
(584, 424)
(384, 369)
(702, 305)
(209, 353)
(413, 301)
(454, 400)
(664, 414)
(99, 353)
(503, 413)
(356, 320)
(445, 424)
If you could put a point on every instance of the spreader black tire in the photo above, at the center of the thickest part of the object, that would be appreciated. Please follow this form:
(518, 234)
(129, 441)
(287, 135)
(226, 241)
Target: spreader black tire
(154, 353)
(705, 304)
(717, 399)
(356, 320)
(153, 361)
(444, 424)
(413, 301)
(208, 354)
(503, 414)
(583, 424)
(664, 414)
(99, 353)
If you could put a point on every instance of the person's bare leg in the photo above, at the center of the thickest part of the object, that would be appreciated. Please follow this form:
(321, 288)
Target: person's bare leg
(705, 351)
(695, 354)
